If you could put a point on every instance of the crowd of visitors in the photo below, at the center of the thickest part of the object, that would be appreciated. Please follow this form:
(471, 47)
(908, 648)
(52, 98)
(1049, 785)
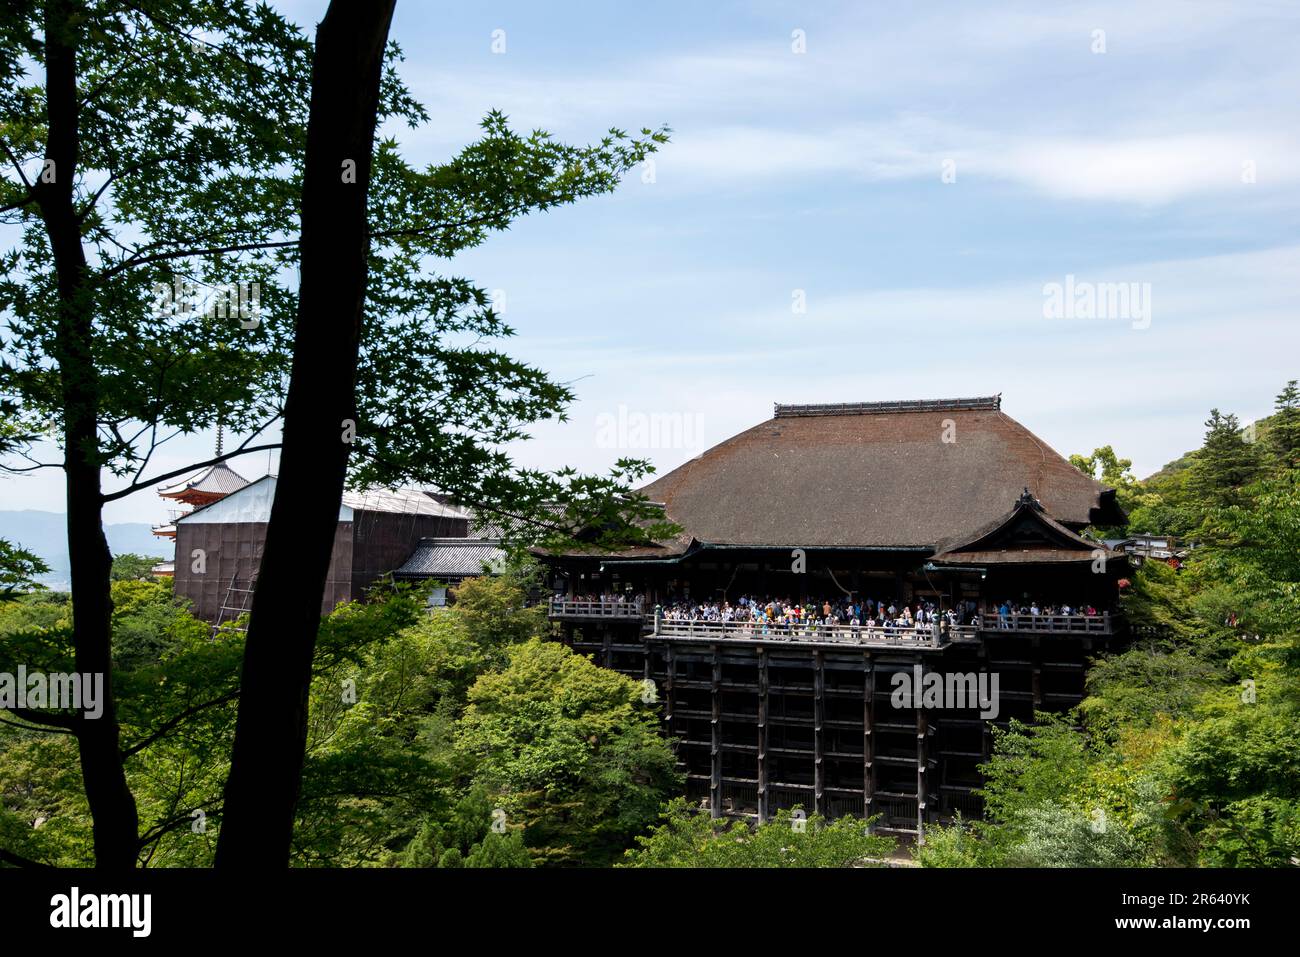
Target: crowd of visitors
(837, 617)
(618, 598)
(772, 615)
(1005, 612)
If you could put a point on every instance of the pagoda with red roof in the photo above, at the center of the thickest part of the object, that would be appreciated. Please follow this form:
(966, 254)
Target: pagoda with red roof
(204, 487)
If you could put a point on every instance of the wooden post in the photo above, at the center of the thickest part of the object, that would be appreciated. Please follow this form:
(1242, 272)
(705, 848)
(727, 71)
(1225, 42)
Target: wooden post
(762, 735)
(1036, 674)
(715, 760)
(922, 729)
(868, 747)
(819, 742)
(670, 667)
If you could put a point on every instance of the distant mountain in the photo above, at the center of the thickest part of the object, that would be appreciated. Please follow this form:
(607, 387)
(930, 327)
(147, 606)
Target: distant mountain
(45, 533)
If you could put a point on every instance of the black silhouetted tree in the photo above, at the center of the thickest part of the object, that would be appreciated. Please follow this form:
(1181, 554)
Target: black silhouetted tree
(378, 374)
(144, 143)
(157, 143)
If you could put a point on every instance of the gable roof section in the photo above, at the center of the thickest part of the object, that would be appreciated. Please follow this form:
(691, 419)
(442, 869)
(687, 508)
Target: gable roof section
(1026, 534)
(872, 475)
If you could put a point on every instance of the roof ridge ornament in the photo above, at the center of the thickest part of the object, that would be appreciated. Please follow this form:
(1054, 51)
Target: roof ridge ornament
(1027, 498)
(991, 403)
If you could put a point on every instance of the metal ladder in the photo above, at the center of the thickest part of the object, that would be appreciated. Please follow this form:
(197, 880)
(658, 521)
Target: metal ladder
(229, 611)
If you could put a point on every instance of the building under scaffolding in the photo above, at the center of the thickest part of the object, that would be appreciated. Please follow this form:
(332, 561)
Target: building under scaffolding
(950, 504)
(219, 545)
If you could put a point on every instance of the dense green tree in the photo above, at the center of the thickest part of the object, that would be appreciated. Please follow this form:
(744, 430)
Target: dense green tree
(1226, 463)
(570, 750)
(1284, 428)
(687, 837)
(1111, 470)
(132, 567)
(18, 569)
(1056, 836)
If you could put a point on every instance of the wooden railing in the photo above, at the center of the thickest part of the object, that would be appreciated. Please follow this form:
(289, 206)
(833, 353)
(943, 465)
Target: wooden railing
(885, 635)
(1061, 624)
(620, 610)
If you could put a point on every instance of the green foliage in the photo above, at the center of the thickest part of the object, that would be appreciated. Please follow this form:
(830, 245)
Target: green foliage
(18, 568)
(1283, 433)
(191, 115)
(500, 850)
(447, 739)
(1246, 751)
(960, 844)
(1253, 832)
(1184, 752)
(570, 751)
(1111, 470)
(1225, 464)
(132, 567)
(687, 837)
(1055, 836)
(1032, 765)
(1136, 687)
(148, 622)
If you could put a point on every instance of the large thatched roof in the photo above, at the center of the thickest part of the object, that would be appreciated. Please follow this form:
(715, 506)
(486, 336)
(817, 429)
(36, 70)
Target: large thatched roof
(873, 475)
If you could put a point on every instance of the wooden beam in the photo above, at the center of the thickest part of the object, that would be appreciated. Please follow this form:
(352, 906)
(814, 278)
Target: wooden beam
(670, 668)
(762, 735)
(922, 729)
(819, 738)
(868, 745)
(715, 753)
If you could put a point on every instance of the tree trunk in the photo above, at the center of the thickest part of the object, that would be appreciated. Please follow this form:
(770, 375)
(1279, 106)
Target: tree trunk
(270, 736)
(112, 806)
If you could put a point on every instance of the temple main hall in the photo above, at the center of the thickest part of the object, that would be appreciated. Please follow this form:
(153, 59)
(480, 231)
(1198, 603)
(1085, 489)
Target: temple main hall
(822, 554)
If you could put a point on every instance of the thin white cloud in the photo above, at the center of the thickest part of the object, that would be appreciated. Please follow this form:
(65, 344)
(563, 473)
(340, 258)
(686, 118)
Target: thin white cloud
(1186, 93)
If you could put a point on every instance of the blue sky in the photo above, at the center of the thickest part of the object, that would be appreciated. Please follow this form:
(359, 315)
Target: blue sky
(822, 171)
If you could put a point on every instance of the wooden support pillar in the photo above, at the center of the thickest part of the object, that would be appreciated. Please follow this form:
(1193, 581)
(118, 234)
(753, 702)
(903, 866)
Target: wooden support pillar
(606, 652)
(819, 735)
(762, 735)
(1036, 675)
(715, 752)
(670, 668)
(868, 745)
(922, 730)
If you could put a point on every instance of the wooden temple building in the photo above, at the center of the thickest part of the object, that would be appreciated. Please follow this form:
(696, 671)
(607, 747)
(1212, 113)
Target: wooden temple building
(947, 502)
(219, 545)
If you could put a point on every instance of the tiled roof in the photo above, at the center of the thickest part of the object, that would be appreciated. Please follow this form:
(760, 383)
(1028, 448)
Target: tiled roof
(219, 479)
(451, 558)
